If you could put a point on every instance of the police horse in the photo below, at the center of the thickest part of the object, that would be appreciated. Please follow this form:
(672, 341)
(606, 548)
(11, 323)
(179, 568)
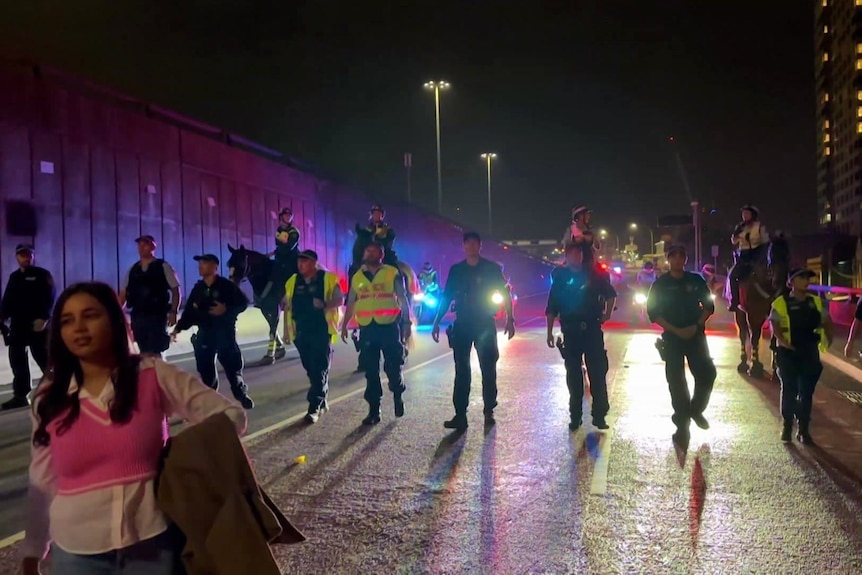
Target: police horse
(759, 286)
(256, 268)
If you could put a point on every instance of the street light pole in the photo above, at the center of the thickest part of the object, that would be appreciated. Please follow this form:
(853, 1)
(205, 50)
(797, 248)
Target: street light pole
(489, 157)
(437, 86)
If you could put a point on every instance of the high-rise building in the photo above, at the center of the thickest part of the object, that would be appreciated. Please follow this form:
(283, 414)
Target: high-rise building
(838, 68)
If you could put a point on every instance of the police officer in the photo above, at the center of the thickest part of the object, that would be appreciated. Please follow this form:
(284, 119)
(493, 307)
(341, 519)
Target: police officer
(477, 287)
(580, 232)
(802, 330)
(27, 305)
(750, 239)
(152, 292)
(286, 251)
(213, 306)
(378, 300)
(376, 231)
(680, 303)
(311, 302)
(428, 277)
(583, 298)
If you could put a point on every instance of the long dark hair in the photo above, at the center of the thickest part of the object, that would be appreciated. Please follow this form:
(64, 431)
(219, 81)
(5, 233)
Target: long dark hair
(54, 398)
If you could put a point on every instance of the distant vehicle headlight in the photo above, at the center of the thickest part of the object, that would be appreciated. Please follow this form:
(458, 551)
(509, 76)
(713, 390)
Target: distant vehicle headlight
(496, 298)
(640, 298)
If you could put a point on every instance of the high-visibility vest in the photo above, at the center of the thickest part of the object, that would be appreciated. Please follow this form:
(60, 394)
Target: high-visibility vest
(376, 299)
(780, 307)
(330, 280)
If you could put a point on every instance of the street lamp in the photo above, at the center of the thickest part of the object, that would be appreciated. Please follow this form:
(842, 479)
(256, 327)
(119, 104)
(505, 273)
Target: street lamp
(633, 228)
(437, 86)
(489, 157)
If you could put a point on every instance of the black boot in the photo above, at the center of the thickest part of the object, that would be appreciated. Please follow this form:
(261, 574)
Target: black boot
(373, 417)
(399, 406)
(240, 393)
(787, 431)
(803, 436)
(458, 422)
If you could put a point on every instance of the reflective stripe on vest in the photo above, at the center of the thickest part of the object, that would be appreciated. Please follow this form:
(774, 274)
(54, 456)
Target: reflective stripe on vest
(780, 307)
(376, 300)
(330, 280)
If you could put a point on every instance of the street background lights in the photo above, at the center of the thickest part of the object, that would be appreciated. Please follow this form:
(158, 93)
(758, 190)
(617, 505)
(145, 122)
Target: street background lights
(489, 157)
(437, 86)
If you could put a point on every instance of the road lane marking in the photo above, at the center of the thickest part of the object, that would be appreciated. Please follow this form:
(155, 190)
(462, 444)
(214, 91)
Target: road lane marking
(12, 539)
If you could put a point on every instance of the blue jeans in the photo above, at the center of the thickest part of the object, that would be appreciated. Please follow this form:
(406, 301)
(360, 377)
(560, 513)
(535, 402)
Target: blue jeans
(154, 556)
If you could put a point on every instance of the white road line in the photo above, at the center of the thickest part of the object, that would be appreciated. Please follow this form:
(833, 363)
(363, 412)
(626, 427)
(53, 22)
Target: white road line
(12, 539)
(599, 484)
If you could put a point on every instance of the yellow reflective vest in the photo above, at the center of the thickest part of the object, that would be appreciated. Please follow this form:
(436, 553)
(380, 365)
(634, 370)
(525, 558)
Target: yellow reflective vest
(330, 280)
(780, 308)
(376, 299)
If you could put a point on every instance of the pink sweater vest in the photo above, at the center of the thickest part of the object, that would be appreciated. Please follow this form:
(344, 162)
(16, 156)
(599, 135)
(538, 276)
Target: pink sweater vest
(96, 452)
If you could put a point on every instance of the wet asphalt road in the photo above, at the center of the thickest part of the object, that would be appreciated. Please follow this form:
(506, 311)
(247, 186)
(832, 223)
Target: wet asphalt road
(526, 496)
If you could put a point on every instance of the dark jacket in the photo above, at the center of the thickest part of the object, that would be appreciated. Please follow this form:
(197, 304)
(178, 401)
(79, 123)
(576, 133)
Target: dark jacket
(203, 297)
(29, 296)
(214, 499)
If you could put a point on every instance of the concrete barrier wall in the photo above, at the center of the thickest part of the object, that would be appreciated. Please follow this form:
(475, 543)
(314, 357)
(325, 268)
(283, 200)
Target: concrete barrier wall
(84, 171)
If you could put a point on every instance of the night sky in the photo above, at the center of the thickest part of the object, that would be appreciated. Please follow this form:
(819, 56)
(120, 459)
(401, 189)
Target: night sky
(578, 98)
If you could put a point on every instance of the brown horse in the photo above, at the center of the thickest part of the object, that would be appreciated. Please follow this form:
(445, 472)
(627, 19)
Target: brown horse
(756, 293)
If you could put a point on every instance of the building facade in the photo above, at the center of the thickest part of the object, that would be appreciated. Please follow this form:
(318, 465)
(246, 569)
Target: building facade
(838, 76)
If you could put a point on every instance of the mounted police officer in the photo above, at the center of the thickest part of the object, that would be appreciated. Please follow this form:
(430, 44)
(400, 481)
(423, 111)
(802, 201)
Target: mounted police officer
(802, 330)
(680, 303)
(751, 241)
(152, 292)
(213, 306)
(379, 301)
(478, 288)
(376, 231)
(286, 251)
(311, 302)
(583, 299)
(581, 233)
(27, 304)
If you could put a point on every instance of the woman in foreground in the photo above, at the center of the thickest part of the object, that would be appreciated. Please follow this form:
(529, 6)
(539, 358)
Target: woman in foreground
(100, 422)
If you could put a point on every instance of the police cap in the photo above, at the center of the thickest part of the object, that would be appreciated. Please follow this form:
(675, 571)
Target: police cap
(24, 248)
(676, 249)
(308, 255)
(212, 258)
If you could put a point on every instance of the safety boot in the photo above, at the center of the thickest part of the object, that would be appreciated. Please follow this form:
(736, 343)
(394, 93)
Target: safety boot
(373, 417)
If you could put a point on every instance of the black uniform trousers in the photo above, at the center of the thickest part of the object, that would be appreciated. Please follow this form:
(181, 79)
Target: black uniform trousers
(586, 340)
(375, 339)
(22, 337)
(315, 353)
(746, 261)
(219, 341)
(150, 331)
(696, 351)
(465, 334)
(798, 370)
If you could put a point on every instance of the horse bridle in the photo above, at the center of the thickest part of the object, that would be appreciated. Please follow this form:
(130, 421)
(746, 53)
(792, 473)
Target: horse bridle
(245, 270)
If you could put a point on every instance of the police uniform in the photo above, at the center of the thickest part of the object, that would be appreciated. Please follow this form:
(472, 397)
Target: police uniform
(472, 288)
(378, 310)
(751, 240)
(381, 234)
(313, 330)
(578, 298)
(801, 321)
(216, 335)
(681, 303)
(29, 297)
(286, 250)
(148, 296)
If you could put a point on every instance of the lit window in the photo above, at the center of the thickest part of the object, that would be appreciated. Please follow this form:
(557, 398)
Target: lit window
(859, 48)
(827, 151)
(825, 3)
(859, 128)
(825, 124)
(859, 112)
(826, 139)
(858, 2)
(826, 96)
(826, 29)
(825, 56)
(859, 64)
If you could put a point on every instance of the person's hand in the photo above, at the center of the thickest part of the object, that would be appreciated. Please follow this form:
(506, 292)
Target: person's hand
(550, 340)
(318, 303)
(344, 334)
(219, 308)
(172, 319)
(435, 333)
(687, 332)
(510, 327)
